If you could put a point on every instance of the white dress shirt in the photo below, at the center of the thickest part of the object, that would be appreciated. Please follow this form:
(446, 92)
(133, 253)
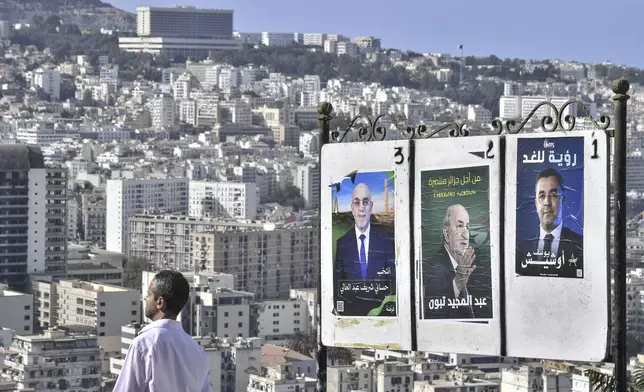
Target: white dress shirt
(556, 233)
(457, 292)
(366, 242)
(163, 358)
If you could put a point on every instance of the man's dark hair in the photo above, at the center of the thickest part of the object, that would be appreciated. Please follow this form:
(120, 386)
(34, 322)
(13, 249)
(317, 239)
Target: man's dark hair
(174, 288)
(549, 172)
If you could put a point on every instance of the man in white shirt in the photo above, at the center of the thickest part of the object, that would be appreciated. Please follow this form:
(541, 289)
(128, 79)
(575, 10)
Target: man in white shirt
(163, 358)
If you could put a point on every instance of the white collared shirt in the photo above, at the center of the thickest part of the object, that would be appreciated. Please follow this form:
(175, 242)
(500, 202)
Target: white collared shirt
(366, 242)
(555, 242)
(164, 358)
(457, 292)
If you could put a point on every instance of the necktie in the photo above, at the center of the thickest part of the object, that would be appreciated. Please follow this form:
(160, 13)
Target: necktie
(363, 257)
(547, 246)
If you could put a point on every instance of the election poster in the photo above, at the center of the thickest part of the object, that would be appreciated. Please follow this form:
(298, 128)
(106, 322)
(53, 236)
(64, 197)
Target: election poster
(456, 264)
(457, 231)
(550, 208)
(364, 244)
(556, 245)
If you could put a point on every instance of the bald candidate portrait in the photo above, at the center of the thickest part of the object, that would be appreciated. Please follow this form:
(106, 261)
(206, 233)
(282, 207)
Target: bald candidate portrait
(448, 272)
(552, 237)
(365, 252)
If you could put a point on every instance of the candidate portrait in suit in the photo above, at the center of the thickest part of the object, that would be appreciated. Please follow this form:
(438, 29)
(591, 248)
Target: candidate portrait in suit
(448, 272)
(365, 252)
(551, 240)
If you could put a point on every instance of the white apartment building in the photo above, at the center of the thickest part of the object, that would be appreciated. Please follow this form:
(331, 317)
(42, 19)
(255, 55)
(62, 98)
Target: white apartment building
(478, 114)
(267, 262)
(48, 79)
(166, 240)
(104, 307)
(520, 106)
(16, 310)
(42, 133)
(342, 47)
(220, 312)
(279, 320)
(232, 361)
(188, 111)
(310, 91)
(105, 133)
(527, 378)
(162, 111)
(54, 361)
(127, 197)
(278, 39)
(307, 179)
(182, 87)
(229, 77)
(56, 221)
(313, 39)
(281, 378)
(228, 200)
(23, 207)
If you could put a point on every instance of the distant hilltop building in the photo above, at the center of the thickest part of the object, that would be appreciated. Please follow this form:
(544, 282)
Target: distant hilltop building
(187, 31)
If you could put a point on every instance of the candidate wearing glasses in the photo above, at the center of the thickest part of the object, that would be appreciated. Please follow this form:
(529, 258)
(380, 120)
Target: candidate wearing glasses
(365, 252)
(554, 241)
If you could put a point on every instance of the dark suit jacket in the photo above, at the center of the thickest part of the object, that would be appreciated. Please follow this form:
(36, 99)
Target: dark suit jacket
(438, 281)
(381, 255)
(570, 245)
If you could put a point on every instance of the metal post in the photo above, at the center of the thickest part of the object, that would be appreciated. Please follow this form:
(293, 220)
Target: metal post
(620, 88)
(460, 79)
(324, 118)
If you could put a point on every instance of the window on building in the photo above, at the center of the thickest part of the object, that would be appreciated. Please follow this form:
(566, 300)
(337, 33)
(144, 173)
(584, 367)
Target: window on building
(134, 313)
(102, 314)
(27, 307)
(27, 317)
(240, 325)
(26, 328)
(225, 325)
(101, 324)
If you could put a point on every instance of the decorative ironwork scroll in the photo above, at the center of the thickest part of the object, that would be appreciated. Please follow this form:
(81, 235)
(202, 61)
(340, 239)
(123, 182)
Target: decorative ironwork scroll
(368, 129)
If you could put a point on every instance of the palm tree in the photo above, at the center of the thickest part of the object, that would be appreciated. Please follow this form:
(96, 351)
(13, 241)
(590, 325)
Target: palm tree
(304, 343)
(340, 356)
(601, 382)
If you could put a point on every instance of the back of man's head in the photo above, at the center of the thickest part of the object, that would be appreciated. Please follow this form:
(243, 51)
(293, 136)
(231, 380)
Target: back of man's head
(174, 288)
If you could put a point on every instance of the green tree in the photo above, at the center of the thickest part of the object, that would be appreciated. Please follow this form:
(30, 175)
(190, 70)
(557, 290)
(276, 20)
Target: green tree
(133, 272)
(340, 356)
(304, 343)
(290, 195)
(602, 382)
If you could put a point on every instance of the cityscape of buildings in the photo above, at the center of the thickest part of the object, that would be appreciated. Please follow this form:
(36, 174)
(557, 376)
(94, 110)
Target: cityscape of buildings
(213, 171)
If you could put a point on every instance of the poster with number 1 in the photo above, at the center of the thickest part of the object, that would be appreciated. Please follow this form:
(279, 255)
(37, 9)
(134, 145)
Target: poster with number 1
(556, 245)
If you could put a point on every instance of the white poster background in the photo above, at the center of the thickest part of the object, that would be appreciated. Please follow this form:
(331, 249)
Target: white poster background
(561, 318)
(454, 336)
(378, 332)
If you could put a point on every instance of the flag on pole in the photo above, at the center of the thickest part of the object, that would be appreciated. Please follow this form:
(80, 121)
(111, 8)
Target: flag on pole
(460, 46)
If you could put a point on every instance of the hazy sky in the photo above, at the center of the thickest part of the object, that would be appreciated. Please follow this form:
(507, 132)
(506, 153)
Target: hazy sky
(583, 30)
